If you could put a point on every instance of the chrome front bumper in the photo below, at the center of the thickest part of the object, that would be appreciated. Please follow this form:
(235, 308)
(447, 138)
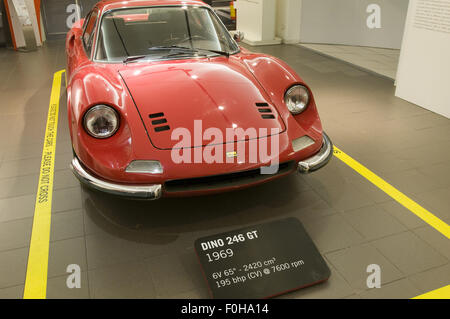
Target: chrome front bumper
(148, 192)
(151, 192)
(320, 159)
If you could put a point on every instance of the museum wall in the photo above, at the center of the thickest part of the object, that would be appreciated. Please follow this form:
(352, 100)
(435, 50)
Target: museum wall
(346, 22)
(58, 15)
(287, 21)
(423, 75)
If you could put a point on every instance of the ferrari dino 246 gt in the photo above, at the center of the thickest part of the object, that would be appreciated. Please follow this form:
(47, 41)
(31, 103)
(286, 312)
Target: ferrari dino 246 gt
(162, 101)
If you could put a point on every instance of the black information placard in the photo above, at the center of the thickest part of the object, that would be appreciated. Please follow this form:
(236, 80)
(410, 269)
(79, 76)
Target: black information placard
(261, 261)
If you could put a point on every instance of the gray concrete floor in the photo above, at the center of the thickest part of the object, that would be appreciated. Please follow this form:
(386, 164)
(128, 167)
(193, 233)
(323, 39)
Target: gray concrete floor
(378, 60)
(132, 249)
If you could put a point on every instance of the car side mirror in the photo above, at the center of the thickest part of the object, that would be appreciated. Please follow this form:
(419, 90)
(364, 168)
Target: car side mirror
(238, 36)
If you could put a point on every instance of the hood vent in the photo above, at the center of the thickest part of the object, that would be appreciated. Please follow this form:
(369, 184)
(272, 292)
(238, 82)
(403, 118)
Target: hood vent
(157, 119)
(265, 110)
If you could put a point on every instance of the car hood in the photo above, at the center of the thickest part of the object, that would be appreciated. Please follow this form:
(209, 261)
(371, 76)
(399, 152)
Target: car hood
(220, 92)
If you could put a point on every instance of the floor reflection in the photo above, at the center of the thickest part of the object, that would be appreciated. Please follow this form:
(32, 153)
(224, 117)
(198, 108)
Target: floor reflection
(165, 219)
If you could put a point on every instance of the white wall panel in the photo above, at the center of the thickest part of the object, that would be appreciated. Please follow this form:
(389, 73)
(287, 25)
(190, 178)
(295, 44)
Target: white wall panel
(345, 22)
(423, 75)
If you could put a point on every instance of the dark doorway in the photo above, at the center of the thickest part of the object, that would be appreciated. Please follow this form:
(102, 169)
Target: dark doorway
(58, 14)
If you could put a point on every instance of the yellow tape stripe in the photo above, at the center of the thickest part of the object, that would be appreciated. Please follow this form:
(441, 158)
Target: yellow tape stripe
(36, 278)
(419, 211)
(441, 293)
(401, 198)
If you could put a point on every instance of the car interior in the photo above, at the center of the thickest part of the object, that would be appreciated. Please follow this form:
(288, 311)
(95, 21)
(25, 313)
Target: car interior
(130, 33)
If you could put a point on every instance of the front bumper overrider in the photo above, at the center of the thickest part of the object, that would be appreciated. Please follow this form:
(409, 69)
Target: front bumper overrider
(318, 160)
(149, 192)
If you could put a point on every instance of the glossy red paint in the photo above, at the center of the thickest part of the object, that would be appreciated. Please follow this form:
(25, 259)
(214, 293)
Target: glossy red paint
(213, 90)
(189, 89)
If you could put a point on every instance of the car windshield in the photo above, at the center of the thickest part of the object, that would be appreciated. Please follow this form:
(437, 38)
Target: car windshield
(161, 33)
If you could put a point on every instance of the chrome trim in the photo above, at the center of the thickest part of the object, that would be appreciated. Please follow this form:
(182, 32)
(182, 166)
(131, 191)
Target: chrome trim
(307, 103)
(320, 159)
(149, 192)
(95, 107)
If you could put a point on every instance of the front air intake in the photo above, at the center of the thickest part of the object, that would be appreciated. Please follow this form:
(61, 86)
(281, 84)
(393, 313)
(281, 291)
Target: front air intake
(226, 180)
(265, 110)
(157, 120)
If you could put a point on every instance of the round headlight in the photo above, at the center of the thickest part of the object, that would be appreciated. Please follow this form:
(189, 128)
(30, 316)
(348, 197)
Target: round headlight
(101, 121)
(297, 99)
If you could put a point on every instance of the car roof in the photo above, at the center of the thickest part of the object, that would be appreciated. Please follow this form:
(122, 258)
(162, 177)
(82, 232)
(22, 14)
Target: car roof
(114, 4)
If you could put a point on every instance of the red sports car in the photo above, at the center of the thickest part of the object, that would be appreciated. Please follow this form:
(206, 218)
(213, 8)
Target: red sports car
(162, 101)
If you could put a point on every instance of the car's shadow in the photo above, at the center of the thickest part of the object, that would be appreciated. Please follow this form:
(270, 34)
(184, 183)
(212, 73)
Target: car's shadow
(163, 220)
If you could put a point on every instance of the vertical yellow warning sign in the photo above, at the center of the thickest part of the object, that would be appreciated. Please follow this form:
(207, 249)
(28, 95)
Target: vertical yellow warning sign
(36, 277)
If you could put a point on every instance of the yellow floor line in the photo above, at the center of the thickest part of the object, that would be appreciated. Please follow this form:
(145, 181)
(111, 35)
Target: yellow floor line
(419, 211)
(36, 277)
(441, 293)
(401, 198)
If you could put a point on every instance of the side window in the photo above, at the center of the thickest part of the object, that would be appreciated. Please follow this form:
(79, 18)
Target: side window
(88, 34)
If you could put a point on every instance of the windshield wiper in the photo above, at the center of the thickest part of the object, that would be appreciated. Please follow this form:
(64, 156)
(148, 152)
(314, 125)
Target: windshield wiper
(227, 54)
(171, 47)
(133, 58)
(184, 53)
(181, 51)
(156, 48)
